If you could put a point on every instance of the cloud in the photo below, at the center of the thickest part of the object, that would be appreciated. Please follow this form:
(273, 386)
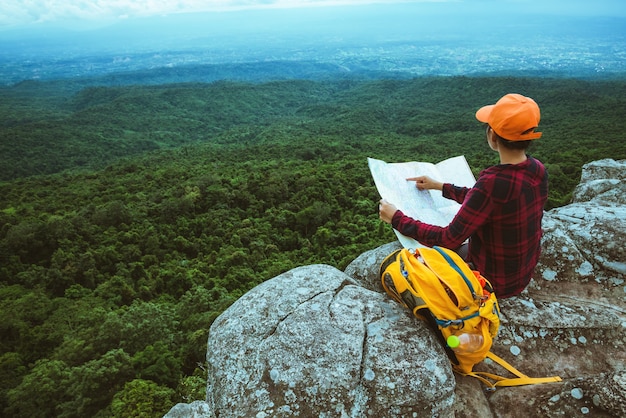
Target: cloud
(72, 12)
(17, 12)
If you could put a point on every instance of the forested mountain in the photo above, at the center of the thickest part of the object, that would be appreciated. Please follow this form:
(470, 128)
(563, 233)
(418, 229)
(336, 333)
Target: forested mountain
(131, 216)
(48, 128)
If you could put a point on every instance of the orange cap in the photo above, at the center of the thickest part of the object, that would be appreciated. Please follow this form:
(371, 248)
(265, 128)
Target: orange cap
(513, 117)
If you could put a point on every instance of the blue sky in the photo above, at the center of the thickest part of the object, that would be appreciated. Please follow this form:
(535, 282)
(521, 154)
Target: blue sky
(94, 13)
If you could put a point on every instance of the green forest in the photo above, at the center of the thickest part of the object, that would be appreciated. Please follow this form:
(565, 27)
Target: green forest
(132, 216)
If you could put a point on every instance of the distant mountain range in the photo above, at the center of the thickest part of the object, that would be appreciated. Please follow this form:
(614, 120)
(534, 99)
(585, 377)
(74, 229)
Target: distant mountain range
(400, 41)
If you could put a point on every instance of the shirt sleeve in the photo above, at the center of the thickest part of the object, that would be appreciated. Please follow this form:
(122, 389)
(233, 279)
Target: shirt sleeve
(475, 210)
(456, 193)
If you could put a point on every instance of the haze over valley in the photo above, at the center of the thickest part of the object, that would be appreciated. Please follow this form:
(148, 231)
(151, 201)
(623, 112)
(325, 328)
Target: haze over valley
(402, 40)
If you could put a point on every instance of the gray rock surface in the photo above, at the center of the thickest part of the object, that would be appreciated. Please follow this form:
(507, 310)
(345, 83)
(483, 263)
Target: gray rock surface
(196, 409)
(311, 342)
(584, 241)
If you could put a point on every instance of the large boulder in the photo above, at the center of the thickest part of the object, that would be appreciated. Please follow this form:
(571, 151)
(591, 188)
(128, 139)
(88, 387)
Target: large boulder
(311, 342)
(584, 241)
(316, 341)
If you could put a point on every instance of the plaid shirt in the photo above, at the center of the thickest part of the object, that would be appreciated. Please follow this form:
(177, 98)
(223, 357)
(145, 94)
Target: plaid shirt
(501, 215)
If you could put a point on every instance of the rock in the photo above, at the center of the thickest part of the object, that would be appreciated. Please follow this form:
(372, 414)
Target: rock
(602, 181)
(311, 342)
(607, 392)
(196, 409)
(471, 400)
(583, 241)
(603, 395)
(589, 236)
(363, 270)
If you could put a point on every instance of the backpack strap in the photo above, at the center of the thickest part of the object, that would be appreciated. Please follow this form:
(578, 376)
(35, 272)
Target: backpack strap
(444, 323)
(456, 267)
(493, 381)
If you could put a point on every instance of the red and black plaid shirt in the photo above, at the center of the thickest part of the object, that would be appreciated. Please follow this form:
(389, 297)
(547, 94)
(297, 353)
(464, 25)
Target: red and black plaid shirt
(501, 215)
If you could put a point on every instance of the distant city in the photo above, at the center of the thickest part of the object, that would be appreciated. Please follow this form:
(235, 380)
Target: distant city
(551, 47)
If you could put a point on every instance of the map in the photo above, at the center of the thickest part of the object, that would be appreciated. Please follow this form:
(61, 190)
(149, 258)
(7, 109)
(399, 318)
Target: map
(428, 206)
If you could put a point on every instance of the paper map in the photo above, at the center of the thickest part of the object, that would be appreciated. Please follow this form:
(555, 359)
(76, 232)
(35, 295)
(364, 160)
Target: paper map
(425, 205)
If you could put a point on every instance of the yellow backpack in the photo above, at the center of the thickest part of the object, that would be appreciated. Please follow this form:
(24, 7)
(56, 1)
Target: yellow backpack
(440, 288)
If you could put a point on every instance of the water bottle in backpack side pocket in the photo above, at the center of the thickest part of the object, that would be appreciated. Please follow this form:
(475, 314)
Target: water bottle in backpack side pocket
(465, 342)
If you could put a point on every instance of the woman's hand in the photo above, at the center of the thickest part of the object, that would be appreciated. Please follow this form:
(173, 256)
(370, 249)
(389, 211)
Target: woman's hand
(386, 210)
(426, 183)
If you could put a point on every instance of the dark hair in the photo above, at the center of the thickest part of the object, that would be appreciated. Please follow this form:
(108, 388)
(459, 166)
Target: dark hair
(517, 145)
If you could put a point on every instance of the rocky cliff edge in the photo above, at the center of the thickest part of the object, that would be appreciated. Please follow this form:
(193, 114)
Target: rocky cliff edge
(318, 342)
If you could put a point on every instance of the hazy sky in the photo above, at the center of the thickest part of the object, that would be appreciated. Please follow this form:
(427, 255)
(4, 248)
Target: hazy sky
(73, 13)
